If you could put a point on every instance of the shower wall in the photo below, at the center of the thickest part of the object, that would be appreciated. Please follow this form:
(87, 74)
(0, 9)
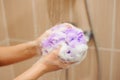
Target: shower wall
(25, 20)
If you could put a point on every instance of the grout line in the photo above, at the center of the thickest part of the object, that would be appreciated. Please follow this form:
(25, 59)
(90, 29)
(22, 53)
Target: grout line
(6, 32)
(12, 71)
(113, 38)
(18, 40)
(3, 42)
(70, 10)
(116, 50)
(105, 49)
(34, 19)
(70, 17)
(48, 22)
(108, 49)
(4, 21)
(73, 73)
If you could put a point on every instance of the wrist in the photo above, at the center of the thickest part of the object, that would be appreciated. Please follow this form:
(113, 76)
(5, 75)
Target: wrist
(33, 73)
(42, 68)
(31, 47)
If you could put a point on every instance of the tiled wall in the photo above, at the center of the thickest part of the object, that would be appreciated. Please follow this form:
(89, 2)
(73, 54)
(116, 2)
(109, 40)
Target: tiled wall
(6, 73)
(105, 21)
(24, 20)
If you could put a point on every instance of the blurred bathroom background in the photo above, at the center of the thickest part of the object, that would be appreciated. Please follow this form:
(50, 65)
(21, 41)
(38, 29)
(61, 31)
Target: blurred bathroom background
(25, 20)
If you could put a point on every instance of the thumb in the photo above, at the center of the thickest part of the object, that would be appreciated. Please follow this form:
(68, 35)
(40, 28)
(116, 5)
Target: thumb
(57, 50)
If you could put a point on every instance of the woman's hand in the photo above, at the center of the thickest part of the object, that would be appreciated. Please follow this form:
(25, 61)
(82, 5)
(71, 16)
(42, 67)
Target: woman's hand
(20, 52)
(37, 42)
(45, 64)
(52, 61)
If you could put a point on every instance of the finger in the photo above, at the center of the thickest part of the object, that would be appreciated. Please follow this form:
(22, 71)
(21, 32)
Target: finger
(57, 50)
(44, 35)
(68, 25)
(63, 65)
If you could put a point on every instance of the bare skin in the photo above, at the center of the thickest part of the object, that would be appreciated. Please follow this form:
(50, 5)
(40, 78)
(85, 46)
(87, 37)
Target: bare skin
(13, 54)
(43, 66)
(20, 52)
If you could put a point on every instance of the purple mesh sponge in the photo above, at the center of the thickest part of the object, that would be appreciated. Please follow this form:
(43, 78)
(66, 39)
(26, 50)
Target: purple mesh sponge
(72, 39)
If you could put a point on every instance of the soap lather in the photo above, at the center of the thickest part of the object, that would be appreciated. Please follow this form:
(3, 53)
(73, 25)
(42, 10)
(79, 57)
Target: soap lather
(72, 40)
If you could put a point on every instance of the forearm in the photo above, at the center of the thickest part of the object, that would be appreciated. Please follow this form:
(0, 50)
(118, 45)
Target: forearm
(33, 73)
(44, 65)
(12, 54)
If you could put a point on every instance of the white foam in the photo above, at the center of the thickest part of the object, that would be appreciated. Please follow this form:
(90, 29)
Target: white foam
(71, 50)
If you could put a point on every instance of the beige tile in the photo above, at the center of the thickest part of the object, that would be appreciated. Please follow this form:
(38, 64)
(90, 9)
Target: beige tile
(2, 32)
(6, 73)
(116, 66)
(117, 25)
(58, 75)
(19, 19)
(51, 12)
(58, 11)
(2, 29)
(101, 14)
(15, 42)
(87, 70)
(104, 57)
(79, 14)
(42, 19)
(4, 43)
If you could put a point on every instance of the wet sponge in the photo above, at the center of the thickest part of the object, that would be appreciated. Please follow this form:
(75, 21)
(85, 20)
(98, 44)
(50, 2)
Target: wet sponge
(72, 40)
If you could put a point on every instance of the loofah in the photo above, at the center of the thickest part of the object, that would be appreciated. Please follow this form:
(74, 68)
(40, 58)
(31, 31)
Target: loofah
(72, 40)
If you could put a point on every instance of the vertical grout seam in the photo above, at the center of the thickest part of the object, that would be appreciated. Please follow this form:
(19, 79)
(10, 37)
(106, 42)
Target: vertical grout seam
(6, 33)
(34, 19)
(70, 10)
(12, 71)
(4, 21)
(18, 40)
(71, 17)
(3, 42)
(113, 38)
